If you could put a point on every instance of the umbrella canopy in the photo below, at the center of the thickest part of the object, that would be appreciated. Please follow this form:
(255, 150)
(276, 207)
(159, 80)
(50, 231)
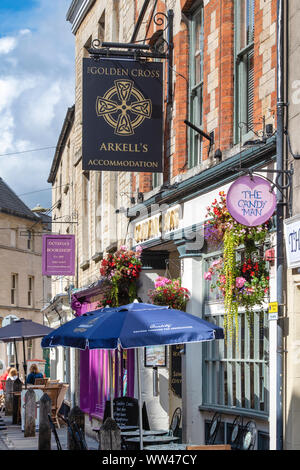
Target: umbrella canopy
(20, 330)
(132, 326)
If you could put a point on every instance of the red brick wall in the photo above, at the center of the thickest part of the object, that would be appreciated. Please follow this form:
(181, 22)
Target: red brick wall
(218, 58)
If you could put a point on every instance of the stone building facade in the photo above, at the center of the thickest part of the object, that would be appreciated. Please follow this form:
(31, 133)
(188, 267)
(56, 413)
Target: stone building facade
(224, 82)
(24, 290)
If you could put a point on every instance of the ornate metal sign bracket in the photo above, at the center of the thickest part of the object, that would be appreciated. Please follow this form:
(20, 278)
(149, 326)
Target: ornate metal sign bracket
(158, 46)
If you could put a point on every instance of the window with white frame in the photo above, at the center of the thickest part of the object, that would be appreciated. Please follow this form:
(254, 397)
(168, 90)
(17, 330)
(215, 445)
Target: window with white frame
(29, 240)
(14, 289)
(196, 85)
(29, 349)
(30, 291)
(244, 67)
(236, 371)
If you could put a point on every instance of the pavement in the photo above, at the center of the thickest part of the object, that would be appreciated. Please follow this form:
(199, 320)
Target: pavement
(12, 437)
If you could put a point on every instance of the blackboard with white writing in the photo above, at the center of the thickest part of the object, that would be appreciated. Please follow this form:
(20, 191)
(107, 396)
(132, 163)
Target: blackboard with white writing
(126, 412)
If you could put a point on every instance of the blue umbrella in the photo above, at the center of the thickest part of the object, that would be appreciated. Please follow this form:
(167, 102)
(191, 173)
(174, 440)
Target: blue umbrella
(132, 326)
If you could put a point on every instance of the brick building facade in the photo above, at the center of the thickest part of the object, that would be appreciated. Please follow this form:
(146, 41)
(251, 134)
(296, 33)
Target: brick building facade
(224, 82)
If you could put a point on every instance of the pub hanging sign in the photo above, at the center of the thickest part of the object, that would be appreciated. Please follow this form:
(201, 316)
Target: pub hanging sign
(122, 115)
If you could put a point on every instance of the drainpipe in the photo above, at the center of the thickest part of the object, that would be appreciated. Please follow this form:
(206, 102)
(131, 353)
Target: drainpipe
(279, 221)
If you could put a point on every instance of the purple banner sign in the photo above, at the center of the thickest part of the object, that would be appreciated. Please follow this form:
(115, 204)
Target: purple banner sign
(251, 201)
(58, 256)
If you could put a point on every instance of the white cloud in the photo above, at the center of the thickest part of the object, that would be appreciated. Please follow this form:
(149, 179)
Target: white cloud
(36, 88)
(7, 44)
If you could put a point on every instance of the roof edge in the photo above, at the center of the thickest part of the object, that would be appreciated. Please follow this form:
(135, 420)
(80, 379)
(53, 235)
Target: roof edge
(66, 127)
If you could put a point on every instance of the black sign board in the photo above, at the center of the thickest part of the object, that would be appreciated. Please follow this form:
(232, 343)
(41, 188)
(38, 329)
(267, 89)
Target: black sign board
(126, 412)
(176, 371)
(122, 115)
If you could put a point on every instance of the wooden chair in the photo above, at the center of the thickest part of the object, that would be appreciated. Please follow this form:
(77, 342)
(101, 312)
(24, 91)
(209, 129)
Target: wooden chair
(210, 447)
(53, 394)
(61, 396)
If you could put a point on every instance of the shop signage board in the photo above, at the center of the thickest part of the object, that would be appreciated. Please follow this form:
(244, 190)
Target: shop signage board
(122, 119)
(155, 356)
(292, 241)
(251, 200)
(58, 255)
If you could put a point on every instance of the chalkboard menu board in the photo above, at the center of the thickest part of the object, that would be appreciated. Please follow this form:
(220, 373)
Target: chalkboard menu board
(126, 412)
(176, 373)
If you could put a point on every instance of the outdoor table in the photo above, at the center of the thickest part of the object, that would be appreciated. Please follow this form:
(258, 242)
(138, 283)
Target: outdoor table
(171, 446)
(133, 442)
(124, 428)
(145, 433)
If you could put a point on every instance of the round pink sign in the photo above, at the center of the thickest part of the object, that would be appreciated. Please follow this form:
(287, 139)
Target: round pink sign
(250, 201)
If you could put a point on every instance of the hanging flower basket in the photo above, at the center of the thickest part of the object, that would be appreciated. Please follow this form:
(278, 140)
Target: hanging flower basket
(242, 283)
(169, 292)
(121, 271)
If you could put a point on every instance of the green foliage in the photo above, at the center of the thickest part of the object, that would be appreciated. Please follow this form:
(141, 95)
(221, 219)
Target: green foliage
(242, 283)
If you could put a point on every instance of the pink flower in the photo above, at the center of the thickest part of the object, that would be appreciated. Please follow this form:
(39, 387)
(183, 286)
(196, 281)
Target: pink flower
(223, 279)
(207, 276)
(139, 249)
(123, 248)
(216, 263)
(161, 281)
(239, 282)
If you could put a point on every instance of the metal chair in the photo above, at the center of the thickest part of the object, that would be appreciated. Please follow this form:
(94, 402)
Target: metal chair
(249, 436)
(175, 422)
(236, 433)
(77, 435)
(213, 428)
(53, 429)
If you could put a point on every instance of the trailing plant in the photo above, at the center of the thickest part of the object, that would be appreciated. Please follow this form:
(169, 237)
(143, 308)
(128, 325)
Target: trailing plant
(120, 272)
(242, 283)
(169, 292)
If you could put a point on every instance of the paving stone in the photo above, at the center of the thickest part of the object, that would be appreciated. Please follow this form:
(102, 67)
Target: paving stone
(12, 438)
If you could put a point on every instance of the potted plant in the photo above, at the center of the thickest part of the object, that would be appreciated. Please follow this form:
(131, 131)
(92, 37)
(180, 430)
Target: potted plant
(242, 283)
(121, 271)
(169, 292)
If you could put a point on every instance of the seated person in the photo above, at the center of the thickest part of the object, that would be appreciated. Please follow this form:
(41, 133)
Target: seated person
(3, 378)
(34, 374)
(13, 374)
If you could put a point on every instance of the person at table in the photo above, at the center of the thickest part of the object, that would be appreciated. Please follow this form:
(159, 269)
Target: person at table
(13, 374)
(3, 378)
(34, 374)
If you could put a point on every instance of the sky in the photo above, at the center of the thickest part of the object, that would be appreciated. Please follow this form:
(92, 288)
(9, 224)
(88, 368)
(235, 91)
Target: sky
(37, 73)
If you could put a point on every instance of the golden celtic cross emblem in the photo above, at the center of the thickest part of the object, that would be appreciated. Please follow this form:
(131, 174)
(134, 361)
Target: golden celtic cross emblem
(123, 107)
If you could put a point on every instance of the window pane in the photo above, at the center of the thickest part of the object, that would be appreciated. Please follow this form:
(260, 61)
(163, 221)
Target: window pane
(250, 88)
(246, 22)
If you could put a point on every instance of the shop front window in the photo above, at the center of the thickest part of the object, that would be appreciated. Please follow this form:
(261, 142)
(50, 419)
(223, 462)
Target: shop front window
(236, 370)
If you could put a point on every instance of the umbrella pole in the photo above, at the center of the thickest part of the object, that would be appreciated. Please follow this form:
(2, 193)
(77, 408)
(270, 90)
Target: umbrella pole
(16, 354)
(140, 399)
(111, 385)
(24, 363)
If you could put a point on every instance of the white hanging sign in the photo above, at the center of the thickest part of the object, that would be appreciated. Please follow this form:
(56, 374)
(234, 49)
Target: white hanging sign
(292, 241)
